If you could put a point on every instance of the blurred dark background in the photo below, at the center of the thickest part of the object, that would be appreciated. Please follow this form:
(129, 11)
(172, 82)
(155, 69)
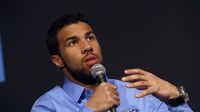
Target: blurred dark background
(160, 36)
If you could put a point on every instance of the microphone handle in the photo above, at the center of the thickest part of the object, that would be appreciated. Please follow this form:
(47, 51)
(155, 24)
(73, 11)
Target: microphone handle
(101, 78)
(113, 109)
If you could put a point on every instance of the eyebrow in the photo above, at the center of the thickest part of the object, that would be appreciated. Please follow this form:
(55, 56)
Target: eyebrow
(74, 37)
(70, 38)
(88, 33)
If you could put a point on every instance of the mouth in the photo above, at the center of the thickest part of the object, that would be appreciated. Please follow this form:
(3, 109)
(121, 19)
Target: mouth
(90, 60)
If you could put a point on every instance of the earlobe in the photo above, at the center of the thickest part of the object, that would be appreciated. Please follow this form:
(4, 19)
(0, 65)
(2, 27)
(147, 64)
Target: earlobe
(57, 60)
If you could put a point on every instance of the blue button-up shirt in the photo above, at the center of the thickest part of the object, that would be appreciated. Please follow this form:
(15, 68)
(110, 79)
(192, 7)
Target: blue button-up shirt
(72, 97)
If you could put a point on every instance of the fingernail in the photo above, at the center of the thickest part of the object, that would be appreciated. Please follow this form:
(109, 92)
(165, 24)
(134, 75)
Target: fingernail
(137, 95)
(125, 71)
(127, 85)
(123, 78)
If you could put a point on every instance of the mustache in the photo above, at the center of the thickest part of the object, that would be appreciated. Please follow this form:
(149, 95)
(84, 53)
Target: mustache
(95, 55)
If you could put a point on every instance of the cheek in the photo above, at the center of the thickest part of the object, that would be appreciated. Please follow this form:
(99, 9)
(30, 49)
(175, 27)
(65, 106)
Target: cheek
(98, 51)
(72, 57)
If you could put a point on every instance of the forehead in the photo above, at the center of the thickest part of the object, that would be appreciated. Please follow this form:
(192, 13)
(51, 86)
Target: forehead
(74, 29)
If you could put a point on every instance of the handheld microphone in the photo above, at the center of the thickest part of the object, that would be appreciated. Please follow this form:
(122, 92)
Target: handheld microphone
(98, 71)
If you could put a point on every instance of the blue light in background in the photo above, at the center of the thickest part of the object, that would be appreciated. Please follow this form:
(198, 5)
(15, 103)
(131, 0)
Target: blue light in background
(2, 75)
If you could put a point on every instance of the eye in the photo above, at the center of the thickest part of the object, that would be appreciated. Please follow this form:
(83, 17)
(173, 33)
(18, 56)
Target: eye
(72, 43)
(91, 37)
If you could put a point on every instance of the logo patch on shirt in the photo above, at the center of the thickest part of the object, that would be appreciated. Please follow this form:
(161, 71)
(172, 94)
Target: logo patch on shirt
(134, 109)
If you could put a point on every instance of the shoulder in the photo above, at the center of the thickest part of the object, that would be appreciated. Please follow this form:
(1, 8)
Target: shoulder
(46, 101)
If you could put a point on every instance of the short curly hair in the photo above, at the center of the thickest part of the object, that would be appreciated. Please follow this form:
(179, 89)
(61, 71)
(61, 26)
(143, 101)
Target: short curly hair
(57, 25)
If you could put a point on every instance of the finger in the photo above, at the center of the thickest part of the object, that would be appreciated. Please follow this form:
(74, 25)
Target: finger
(116, 98)
(116, 102)
(134, 77)
(108, 86)
(112, 86)
(115, 92)
(138, 84)
(113, 95)
(135, 71)
(141, 88)
(144, 93)
(111, 89)
(113, 98)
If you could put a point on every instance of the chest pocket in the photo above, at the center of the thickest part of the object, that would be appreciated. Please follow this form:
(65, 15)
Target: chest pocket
(127, 101)
(131, 110)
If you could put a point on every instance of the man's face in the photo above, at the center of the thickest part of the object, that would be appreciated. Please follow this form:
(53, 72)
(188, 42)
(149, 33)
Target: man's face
(79, 50)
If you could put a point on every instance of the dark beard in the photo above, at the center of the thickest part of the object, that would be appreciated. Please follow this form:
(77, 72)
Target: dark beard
(82, 76)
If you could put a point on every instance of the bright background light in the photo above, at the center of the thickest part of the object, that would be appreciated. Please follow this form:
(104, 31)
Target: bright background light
(2, 76)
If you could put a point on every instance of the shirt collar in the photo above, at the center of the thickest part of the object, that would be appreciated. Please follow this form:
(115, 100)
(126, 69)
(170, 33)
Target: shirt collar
(73, 90)
(76, 91)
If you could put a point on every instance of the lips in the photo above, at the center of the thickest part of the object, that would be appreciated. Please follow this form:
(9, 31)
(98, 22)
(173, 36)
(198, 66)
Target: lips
(90, 60)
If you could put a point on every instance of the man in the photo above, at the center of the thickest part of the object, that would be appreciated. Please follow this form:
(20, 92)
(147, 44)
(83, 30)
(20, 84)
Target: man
(74, 48)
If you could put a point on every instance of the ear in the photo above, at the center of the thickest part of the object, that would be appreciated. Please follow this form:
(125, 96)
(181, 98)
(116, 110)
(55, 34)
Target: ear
(57, 60)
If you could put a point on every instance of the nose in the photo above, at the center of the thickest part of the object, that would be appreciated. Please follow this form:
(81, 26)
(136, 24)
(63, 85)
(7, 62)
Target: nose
(86, 47)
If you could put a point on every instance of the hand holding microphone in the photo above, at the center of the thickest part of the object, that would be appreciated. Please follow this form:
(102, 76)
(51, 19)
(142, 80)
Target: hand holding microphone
(105, 96)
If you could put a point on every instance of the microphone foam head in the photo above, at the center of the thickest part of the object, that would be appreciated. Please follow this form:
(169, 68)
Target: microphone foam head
(96, 69)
